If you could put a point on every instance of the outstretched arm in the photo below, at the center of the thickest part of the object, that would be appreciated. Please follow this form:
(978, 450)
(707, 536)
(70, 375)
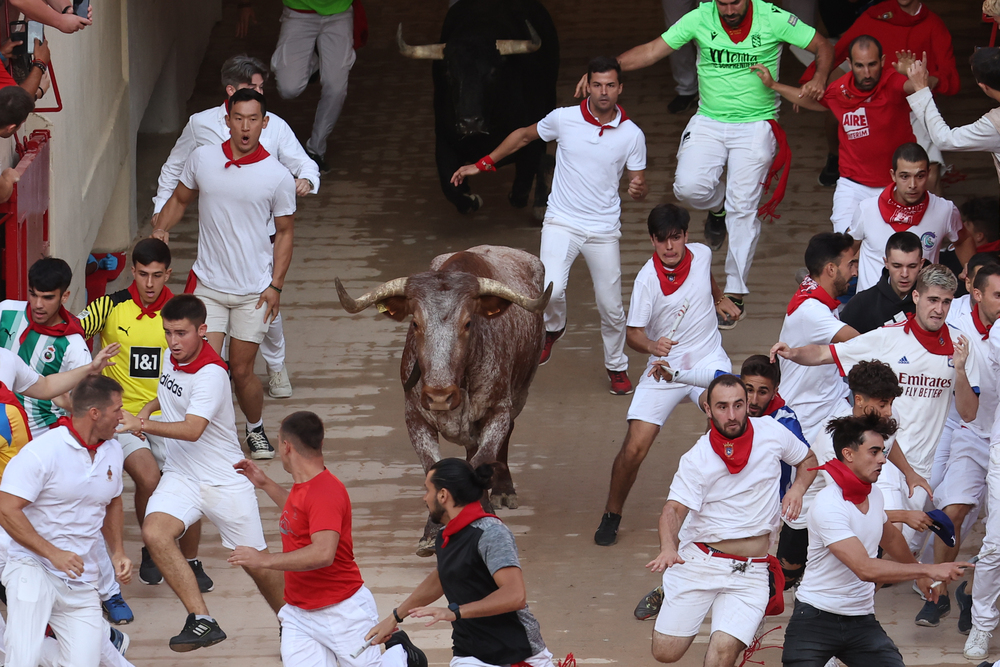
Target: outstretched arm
(821, 48)
(638, 57)
(793, 95)
(514, 142)
(807, 355)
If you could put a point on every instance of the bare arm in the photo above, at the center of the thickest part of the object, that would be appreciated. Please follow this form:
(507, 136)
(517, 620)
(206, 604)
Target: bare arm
(509, 596)
(913, 480)
(852, 553)
(188, 430)
(807, 355)
(277, 493)
(671, 519)
(821, 48)
(16, 524)
(172, 212)
(790, 93)
(641, 56)
(112, 531)
(791, 504)
(637, 188)
(966, 400)
(847, 332)
(283, 243)
(51, 386)
(38, 10)
(310, 557)
(514, 142)
(427, 592)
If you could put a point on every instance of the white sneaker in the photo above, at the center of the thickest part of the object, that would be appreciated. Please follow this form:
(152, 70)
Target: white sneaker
(977, 646)
(278, 384)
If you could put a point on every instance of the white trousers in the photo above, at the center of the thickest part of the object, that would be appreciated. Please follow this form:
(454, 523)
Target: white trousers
(986, 584)
(846, 198)
(683, 61)
(560, 246)
(273, 346)
(110, 657)
(294, 61)
(746, 151)
(542, 659)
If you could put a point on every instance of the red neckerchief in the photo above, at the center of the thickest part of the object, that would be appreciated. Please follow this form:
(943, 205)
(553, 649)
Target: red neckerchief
(68, 423)
(854, 490)
(898, 216)
(989, 247)
(777, 402)
(894, 14)
(206, 357)
(810, 289)
(590, 118)
(782, 161)
(734, 452)
(983, 330)
(153, 308)
(471, 512)
(672, 279)
(70, 325)
(742, 31)
(256, 156)
(935, 342)
(853, 97)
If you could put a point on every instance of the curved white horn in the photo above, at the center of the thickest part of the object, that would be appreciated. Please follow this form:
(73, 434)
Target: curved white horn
(488, 287)
(422, 52)
(396, 287)
(513, 47)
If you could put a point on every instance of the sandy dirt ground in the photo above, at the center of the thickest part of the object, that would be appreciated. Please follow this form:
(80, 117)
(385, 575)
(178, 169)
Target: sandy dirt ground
(380, 215)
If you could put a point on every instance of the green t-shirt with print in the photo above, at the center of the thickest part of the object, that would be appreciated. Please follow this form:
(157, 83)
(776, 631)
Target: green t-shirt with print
(321, 7)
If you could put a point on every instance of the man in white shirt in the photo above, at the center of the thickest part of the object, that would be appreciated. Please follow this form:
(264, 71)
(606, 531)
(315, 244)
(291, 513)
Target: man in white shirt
(834, 612)
(210, 127)
(717, 523)
(198, 426)
(673, 317)
(60, 503)
(239, 270)
(596, 143)
(906, 206)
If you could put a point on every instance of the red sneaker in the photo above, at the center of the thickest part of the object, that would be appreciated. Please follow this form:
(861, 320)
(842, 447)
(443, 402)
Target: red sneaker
(550, 339)
(620, 384)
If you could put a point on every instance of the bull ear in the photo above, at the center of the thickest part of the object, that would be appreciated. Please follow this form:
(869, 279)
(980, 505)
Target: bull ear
(396, 307)
(492, 306)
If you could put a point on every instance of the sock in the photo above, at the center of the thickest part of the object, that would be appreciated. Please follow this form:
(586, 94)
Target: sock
(721, 211)
(203, 617)
(192, 560)
(256, 425)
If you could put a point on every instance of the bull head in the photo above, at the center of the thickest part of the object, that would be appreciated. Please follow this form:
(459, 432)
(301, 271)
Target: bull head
(397, 289)
(506, 47)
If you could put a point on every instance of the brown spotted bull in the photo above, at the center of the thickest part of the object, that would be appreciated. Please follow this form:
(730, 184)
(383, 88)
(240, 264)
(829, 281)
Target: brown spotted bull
(469, 356)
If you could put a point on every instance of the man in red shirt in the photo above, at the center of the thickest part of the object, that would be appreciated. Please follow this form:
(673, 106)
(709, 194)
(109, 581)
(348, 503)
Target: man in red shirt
(329, 610)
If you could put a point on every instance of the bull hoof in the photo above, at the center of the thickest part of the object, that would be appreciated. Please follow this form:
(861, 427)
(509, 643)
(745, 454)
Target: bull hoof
(425, 547)
(500, 500)
(539, 212)
(518, 201)
(471, 204)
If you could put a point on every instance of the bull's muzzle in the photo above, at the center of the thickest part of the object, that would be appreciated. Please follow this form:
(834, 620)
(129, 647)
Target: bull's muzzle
(441, 398)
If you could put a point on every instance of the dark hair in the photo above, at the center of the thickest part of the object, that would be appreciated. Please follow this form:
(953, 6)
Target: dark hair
(148, 251)
(910, 152)
(184, 307)
(667, 219)
(874, 379)
(986, 66)
(905, 242)
(247, 95)
(50, 274)
(985, 271)
(304, 429)
(602, 64)
(94, 391)
(15, 105)
(849, 432)
(465, 485)
(863, 40)
(241, 69)
(725, 380)
(825, 248)
(983, 213)
(761, 366)
(979, 260)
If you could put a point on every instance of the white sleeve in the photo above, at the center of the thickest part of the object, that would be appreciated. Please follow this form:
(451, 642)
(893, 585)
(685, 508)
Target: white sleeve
(208, 393)
(793, 450)
(636, 160)
(284, 197)
(189, 174)
(688, 484)
(857, 228)
(973, 370)
(955, 225)
(170, 172)
(824, 324)
(978, 136)
(640, 306)
(23, 375)
(864, 347)
(828, 525)
(548, 127)
(77, 354)
(24, 476)
(293, 156)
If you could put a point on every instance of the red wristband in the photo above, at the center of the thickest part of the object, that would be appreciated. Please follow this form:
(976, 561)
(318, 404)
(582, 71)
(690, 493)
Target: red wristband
(486, 164)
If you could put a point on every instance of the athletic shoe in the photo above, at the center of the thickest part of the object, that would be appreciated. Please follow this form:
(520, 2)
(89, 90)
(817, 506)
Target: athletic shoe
(977, 646)
(715, 229)
(149, 574)
(964, 602)
(117, 610)
(831, 172)
(620, 384)
(985, 663)
(650, 605)
(550, 339)
(414, 656)
(725, 322)
(258, 444)
(324, 168)
(932, 613)
(278, 384)
(119, 640)
(205, 583)
(197, 633)
(607, 533)
(682, 103)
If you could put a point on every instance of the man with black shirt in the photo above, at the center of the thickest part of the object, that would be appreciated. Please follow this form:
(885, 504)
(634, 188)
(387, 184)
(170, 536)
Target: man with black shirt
(888, 301)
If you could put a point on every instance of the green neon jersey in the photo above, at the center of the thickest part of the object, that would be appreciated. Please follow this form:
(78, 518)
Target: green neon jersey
(321, 7)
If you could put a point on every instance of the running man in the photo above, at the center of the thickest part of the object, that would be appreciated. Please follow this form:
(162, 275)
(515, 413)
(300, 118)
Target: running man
(888, 301)
(328, 608)
(596, 143)
(735, 126)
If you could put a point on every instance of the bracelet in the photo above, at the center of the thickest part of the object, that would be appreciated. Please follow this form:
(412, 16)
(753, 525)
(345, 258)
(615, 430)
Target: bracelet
(396, 616)
(67, 9)
(486, 164)
(40, 64)
(274, 288)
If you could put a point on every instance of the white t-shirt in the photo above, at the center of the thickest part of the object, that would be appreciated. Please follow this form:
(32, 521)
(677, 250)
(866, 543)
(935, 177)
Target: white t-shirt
(994, 366)
(235, 207)
(205, 394)
(989, 400)
(939, 226)
(589, 166)
(812, 391)
(928, 382)
(68, 495)
(828, 584)
(724, 506)
(698, 339)
(16, 374)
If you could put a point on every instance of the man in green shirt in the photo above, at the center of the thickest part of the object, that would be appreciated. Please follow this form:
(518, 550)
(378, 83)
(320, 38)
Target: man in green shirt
(735, 125)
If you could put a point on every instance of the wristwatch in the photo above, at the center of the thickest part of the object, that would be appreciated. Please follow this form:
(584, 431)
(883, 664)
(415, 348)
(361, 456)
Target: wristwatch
(453, 608)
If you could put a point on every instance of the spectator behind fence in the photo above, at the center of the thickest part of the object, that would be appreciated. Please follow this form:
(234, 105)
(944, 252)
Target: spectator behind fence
(56, 13)
(37, 65)
(15, 105)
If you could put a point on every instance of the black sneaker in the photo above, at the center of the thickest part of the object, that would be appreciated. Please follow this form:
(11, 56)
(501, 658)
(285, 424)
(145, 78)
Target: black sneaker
(932, 613)
(725, 322)
(414, 656)
(964, 602)
(205, 583)
(650, 605)
(258, 444)
(607, 533)
(197, 633)
(149, 574)
(831, 172)
(682, 103)
(324, 168)
(715, 229)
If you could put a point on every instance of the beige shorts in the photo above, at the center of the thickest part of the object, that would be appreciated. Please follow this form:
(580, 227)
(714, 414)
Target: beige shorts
(233, 314)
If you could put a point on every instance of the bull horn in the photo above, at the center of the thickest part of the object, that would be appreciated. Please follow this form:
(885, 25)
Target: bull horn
(488, 287)
(513, 47)
(422, 52)
(395, 287)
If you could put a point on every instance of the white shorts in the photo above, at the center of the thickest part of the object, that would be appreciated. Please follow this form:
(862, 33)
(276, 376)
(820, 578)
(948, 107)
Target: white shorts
(543, 659)
(232, 509)
(737, 599)
(964, 481)
(131, 444)
(653, 401)
(896, 493)
(233, 314)
(846, 198)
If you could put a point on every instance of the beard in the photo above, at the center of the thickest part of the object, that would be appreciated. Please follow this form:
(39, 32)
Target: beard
(732, 430)
(437, 512)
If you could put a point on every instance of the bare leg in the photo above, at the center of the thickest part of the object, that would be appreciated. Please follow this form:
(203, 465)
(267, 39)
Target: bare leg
(249, 391)
(189, 541)
(723, 650)
(141, 467)
(638, 440)
(667, 648)
(271, 584)
(160, 532)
